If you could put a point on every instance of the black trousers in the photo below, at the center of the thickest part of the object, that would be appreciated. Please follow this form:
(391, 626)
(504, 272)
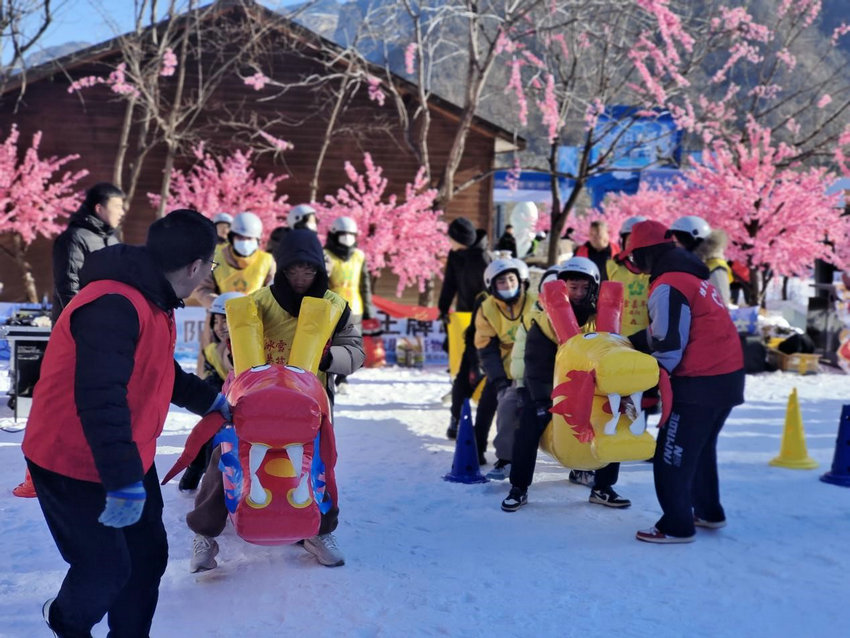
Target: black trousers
(526, 440)
(685, 467)
(112, 571)
(466, 380)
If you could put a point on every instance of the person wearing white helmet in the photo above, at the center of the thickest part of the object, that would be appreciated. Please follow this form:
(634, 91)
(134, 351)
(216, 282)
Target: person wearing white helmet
(348, 274)
(635, 283)
(582, 278)
(222, 223)
(217, 363)
(507, 306)
(690, 231)
(240, 265)
(302, 216)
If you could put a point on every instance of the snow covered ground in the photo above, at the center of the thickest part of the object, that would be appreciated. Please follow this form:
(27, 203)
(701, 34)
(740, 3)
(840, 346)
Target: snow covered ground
(431, 558)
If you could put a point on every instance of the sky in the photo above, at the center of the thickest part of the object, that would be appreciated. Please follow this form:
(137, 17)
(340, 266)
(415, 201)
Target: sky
(94, 21)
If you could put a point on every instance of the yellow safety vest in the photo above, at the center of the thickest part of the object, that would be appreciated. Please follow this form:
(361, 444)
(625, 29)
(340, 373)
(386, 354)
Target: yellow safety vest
(716, 262)
(635, 296)
(279, 325)
(211, 355)
(251, 277)
(505, 327)
(344, 279)
(539, 316)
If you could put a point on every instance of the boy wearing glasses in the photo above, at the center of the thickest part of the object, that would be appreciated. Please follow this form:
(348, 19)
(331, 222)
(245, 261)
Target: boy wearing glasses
(301, 273)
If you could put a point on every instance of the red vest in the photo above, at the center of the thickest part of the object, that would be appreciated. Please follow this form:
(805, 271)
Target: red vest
(54, 436)
(713, 345)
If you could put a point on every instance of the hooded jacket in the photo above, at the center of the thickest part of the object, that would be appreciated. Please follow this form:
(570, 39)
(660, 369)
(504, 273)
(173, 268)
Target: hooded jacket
(109, 373)
(281, 304)
(86, 233)
(464, 276)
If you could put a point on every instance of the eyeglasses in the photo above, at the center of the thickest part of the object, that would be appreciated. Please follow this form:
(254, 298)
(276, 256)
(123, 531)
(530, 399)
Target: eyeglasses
(213, 264)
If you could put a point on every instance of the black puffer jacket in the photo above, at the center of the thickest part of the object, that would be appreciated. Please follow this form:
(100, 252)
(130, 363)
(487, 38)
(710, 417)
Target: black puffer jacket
(464, 276)
(106, 333)
(85, 234)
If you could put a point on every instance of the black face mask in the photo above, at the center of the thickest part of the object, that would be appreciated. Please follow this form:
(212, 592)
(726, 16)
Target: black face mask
(641, 260)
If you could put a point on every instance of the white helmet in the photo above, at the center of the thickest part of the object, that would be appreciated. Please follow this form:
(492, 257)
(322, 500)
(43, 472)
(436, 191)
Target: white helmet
(298, 214)
(628, 224)
(344, 225)
(218, 304)
(522, 269)
(496, 268)
(223, 218)
(551, 274)
(692, 225)
(582, 265)
(247, 225)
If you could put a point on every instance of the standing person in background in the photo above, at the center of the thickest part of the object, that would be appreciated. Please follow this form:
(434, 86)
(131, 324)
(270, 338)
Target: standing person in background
(349, 275)
(689, 232)
(635, 284)
(464, 279)
(108, 376)
(712, 252)
(91, 228)
(507, 241)
(598, 248)
(302, 216)
(223, 222)
(694, 339)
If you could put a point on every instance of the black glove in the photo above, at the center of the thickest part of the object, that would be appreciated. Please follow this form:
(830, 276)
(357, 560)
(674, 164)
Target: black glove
(325, 361)
(444, 318)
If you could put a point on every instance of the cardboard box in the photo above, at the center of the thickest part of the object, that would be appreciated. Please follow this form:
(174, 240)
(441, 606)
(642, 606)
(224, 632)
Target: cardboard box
(796, 362)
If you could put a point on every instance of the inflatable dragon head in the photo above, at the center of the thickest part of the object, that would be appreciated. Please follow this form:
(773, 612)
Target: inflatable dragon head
(599, 384)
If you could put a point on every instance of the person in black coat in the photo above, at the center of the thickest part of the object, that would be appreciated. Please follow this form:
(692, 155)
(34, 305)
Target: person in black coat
(91, 228)
(507, 241)
(464, 279)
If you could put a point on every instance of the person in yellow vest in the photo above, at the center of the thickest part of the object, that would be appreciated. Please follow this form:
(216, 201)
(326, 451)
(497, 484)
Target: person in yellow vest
(541, 346)
(635, 284)
(301, 273)
(348, 275)
(217, 363)
(506, 307)
(222, 222)
(712, 252)
(240, 266)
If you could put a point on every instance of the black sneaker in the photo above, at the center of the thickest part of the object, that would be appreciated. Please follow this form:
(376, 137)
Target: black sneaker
(516, 498)
(190, 479)
(583, 477)
(451, 432)
(608, 497)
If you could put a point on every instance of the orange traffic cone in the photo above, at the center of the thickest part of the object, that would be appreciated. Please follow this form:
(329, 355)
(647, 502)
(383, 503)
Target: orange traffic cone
(792, 450)
(25, 489)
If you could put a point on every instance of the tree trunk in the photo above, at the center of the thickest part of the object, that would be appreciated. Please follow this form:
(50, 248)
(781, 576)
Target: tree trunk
(24, 267)
(166, 182)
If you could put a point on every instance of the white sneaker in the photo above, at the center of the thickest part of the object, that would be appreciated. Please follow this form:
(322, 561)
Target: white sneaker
(325, 549)
(45, 612)
(204, 551)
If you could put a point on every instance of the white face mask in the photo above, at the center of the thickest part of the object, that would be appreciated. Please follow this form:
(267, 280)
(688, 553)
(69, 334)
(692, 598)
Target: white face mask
(347, 239)
(310, 224)
(508, 294)
(245, 247)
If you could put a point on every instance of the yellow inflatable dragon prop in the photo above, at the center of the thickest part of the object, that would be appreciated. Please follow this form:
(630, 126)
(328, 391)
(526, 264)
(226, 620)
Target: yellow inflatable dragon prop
(597, 412)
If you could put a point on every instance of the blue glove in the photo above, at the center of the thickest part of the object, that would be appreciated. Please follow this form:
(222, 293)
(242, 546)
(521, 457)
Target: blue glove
(221, 405)
(124, 507)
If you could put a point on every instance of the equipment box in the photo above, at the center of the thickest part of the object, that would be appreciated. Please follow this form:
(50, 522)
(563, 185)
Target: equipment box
(796, 362)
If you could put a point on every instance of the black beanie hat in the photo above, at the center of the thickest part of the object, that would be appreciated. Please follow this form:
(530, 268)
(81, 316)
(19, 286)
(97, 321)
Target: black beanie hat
(462, 231)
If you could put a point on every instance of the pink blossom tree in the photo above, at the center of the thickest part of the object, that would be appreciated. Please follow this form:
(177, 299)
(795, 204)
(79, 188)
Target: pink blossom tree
(226, 184)
(407, 237)
(33, 199)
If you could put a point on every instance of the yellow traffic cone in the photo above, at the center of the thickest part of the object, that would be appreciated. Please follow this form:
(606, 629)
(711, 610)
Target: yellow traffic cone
(792, 451)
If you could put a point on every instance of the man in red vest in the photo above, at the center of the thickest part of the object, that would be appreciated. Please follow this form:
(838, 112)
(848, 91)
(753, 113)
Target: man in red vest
(695, 341)
(106, 381)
